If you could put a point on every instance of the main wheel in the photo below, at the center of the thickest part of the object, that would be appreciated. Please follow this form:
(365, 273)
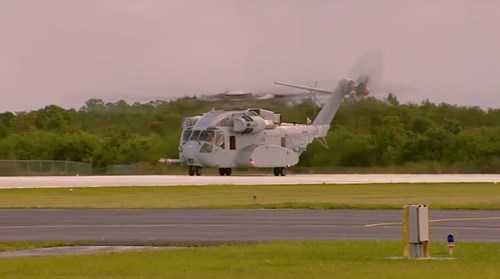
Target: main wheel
(228, 171)
(222, 171)
(276, 171)
(282, 171)
(197, 170)
(191, 170)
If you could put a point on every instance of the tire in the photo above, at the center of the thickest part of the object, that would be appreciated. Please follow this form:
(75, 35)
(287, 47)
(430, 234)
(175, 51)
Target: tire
(282, 171)
(276, 171)
(228, 171)
(190, 170)
(222, 171)
(197, 171)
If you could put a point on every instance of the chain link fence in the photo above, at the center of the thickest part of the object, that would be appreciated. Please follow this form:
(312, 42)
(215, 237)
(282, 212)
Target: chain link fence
(43, 167)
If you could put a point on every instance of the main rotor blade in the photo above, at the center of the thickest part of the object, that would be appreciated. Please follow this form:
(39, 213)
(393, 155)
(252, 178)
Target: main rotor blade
(312, 89)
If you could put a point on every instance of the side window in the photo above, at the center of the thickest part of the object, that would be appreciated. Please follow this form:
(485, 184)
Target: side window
(232, 142)
(219, 139)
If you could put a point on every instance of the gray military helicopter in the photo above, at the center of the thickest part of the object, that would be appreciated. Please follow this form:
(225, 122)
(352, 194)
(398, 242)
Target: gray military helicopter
(255, 137)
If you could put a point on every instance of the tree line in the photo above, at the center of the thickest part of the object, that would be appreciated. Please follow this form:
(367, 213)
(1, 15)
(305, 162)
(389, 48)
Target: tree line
(364, 134)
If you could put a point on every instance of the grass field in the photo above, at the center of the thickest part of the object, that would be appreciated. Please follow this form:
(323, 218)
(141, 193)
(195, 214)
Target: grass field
(268, 260)
(365, 196)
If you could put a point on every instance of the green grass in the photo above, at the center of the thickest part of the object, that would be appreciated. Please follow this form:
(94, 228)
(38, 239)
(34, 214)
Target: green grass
(346, 259)
(365, 196)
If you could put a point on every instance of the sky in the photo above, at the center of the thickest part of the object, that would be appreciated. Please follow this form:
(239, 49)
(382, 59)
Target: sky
(65, 52)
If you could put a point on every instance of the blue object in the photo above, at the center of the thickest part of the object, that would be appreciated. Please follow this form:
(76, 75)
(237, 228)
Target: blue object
(451, 239)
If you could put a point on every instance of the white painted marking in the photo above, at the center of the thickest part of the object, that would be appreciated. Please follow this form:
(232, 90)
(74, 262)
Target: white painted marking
(380, 225)
(465, 219)
(432, 221)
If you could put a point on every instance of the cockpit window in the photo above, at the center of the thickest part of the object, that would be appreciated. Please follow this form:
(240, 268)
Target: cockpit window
(208, 135)
(213, 135)
(194, 135)
(186, 134)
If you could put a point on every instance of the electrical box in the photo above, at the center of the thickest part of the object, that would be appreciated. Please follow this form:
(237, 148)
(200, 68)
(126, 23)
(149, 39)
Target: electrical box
(423, 223)
(416, 231)
(418, 221)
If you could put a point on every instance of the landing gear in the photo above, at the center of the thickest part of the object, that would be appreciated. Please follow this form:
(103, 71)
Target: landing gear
(279, 171)
(282, 171)
(197, 171)
(192, 170)
(225, 171)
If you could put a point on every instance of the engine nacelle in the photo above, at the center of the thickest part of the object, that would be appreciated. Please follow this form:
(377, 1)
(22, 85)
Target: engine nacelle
(249, 124)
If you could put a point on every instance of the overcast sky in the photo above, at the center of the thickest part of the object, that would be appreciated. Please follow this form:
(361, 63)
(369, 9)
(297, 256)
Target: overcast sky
(64, 52)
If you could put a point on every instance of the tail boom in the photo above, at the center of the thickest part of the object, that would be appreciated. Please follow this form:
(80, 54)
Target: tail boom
(325, 116)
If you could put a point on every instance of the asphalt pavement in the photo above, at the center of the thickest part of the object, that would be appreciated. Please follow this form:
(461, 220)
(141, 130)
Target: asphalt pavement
(143, 226)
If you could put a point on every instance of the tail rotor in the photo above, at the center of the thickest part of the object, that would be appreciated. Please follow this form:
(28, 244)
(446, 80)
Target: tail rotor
(367, 72)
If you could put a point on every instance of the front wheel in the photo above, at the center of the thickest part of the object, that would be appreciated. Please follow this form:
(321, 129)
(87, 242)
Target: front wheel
(191, 170)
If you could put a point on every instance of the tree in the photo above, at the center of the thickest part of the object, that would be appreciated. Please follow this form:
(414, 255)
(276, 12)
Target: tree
(93, 105)
(390, 139)
(452, 126)
(392, 99)
(435, 144)
(53, 118)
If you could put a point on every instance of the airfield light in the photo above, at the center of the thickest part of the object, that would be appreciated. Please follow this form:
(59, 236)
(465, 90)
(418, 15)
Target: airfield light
(451, 243)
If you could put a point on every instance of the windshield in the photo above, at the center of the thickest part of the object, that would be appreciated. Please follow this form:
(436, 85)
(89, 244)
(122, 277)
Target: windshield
(194, 135)
(186, 133)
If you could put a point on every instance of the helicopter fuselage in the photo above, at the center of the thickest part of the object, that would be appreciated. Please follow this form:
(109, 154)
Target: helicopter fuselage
(248, 138)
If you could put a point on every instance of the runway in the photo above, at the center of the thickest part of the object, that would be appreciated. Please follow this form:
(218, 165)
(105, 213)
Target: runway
(142, 226)
(172, 180)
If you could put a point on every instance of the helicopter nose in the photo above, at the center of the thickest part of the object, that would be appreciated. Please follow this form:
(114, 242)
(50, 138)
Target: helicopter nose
(190, 151)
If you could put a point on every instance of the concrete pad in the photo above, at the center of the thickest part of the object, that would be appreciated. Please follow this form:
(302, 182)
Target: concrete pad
(79, 250)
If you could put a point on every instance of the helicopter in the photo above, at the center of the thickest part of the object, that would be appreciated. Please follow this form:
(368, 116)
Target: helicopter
(255, 137)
